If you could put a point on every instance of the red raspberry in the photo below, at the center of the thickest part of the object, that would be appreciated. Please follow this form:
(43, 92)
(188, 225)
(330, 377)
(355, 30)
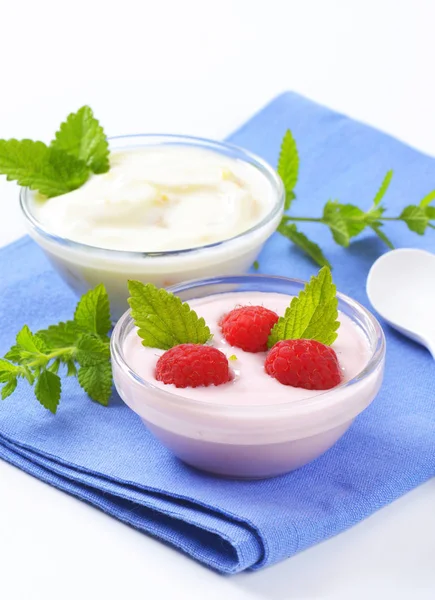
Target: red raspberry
(193, 365)
(304, 363)
(248, 327)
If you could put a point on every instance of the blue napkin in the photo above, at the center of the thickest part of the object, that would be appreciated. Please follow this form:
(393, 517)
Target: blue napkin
(106, 457)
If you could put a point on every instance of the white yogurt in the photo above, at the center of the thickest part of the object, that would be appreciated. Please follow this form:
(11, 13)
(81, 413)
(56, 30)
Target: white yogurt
(170, 209)
(161, 198)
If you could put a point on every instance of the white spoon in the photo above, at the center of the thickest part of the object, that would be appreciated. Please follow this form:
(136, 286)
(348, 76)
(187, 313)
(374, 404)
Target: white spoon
(401, 288)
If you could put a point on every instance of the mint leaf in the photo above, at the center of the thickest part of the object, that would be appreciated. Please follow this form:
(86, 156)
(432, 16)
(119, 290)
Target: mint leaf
(82, 136)
(91, 350)
(96, 380)
(312, 315)
(384, 187)
(47, 390)
(54, 367)
(298, 238)
(163, 320)
(288, 166)
(9, 388)
(93, 311)
(7, 370)
(14, 354)
(289, 197)
(72, 369)
(354, 218)
(30, 342)
(429, 211)
(430, 197)
(60, 335)
(33, 164)
(333, 218)
(416, 219)
(376, 227)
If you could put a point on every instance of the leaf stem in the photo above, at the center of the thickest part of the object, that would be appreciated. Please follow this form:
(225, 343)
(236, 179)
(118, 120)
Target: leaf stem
(321, 220)
(304, 219)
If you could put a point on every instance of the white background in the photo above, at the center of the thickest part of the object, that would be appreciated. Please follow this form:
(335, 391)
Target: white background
(203, 68)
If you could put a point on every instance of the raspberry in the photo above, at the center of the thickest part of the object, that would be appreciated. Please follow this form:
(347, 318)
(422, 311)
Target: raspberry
(248, 327)
(304, 363)
(193, 365)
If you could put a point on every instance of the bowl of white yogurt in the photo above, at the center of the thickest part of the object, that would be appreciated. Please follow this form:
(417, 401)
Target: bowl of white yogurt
(170, 209)
(252, 426)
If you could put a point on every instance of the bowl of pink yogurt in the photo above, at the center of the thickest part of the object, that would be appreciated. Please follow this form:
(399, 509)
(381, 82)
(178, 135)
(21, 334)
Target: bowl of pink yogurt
(253, 426)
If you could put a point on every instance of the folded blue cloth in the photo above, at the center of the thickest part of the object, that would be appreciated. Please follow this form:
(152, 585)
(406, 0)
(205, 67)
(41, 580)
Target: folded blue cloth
(106, 456)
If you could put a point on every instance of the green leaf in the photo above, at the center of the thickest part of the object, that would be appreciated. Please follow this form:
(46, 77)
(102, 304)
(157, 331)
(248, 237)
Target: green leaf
(415, 217)
(47, 390)
(96, 380)
(54, 367)
(93, 311)
(354, 218)
(72, 369)
(312, 315)
(7, 370)
(430, 197)
(14, 354)
(232, 357)
(333, 218)
(30, 342)
(381, 235)
(60, 335)
(33, 164)
(91, 350)
(163, 320)
(430, 212)
(384, 187)
(9, 388)
(298, 238)
(82, 137)
(289, 197)
(288, 166)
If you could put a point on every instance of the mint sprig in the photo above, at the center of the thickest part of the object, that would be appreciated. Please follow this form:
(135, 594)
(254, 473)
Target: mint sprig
(163, 320)
(312, 315)
(345, 221)
(80, 347)
(79, 148)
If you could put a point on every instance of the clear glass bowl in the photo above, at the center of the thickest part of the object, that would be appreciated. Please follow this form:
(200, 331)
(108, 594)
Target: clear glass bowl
(250, 441)
(83, 266)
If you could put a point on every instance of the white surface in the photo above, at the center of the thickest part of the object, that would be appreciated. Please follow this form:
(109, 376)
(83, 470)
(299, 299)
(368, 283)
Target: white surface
(203, 68)
(401, 287)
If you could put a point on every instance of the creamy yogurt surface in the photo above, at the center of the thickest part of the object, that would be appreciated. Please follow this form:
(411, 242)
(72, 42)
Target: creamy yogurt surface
(251, 385)
(161, 198)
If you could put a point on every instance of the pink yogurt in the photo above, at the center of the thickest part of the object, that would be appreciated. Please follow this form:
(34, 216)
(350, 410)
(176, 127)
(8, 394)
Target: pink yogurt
(253, 426)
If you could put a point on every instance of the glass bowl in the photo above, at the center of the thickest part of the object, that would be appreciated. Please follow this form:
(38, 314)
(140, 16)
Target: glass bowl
(83, 266)
(254, 441)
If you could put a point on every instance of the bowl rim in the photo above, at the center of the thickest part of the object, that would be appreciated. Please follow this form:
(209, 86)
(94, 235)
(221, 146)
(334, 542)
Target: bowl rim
(128, 141)
(376, 339)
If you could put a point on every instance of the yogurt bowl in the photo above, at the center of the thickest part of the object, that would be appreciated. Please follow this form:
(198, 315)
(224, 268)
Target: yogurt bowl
(252, 427)
(93, 235)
